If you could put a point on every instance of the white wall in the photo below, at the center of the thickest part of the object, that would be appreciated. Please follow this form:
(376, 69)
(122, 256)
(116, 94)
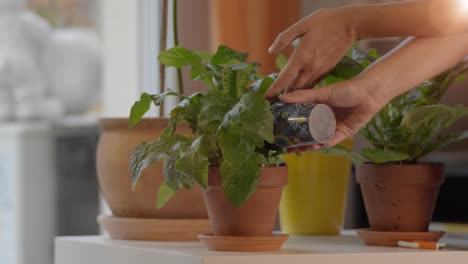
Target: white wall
(130, 33)
(118, 26)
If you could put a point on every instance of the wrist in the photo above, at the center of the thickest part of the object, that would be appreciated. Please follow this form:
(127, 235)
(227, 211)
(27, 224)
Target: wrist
(360, 20)
(348, 19)
(375, 88)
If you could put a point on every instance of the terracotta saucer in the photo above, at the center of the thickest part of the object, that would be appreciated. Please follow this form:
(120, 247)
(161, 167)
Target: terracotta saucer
(242, 243)
(390, 239)
(152, 229)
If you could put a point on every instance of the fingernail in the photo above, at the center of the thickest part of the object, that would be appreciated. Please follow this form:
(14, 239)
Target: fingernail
(271, 49)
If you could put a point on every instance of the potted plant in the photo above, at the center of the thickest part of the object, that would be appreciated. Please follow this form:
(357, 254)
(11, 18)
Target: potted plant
(226, 154)
(399, 191)
(134, 215)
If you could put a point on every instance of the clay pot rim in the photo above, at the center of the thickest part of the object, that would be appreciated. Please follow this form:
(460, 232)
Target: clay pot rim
(122, 123)
(270, 177)
(403, 164)
(427, 173)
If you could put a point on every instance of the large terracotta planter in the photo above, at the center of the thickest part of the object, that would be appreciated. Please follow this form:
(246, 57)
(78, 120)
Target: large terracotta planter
(252, 26)
(113, 155)
(400, 197)
(256, 217)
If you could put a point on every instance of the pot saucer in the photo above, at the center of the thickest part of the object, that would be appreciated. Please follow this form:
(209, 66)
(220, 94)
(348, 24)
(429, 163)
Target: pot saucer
(243, 243)
(390, 239)
(152, 229)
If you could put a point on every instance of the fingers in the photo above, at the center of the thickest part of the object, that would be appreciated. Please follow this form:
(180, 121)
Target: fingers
(286, 37)
(300, 83)
(303, 148)
(337, 138)
(316, 95)
(284, 80)
(342, 133)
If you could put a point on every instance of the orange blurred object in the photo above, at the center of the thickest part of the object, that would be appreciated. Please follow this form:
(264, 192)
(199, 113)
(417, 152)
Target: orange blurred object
(421, 244)
(252, 26)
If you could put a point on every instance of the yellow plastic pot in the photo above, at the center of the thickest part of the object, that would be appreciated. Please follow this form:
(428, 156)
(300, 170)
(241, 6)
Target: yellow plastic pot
(314, 200)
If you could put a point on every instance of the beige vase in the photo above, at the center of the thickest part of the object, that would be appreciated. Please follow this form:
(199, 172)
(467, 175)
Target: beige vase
(113, 155)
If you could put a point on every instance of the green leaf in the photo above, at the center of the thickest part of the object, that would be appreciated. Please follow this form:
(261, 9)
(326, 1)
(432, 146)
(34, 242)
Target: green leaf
(180, 57)
(281, 61)
(265, 85)
(186, 111)
(194, 162)
(356, 158)
(171, 174)
(364, 58)
(158, 99)
(147, 154)
(213, 107)
(142, 106)
(139, 109)
(433, 117)
(262, 85)
(235, 78)
(165, 193)
(373, 53)
(260, 123)
(205, 56)
(461, 78)
(237, 144)
(427, 125)
(384, 156)
(347, 68)
(240, 182)
(225, 55)
(451, 138)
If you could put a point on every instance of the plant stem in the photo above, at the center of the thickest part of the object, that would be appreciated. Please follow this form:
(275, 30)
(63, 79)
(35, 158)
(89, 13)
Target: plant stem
(162, 47)
(176, 43)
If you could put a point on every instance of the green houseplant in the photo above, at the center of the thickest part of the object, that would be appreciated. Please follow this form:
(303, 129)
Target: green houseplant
(400, 192)
(226, 152)
(134, 215)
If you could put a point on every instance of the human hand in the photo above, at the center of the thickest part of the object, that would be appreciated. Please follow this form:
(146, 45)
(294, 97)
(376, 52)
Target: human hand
(325, 37)
(352, 102)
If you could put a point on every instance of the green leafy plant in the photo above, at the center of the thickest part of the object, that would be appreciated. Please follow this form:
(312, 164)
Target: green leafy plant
(230, 125)
(413, 124)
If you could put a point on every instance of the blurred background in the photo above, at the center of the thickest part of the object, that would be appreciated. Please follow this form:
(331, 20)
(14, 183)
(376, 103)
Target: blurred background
(66, 63)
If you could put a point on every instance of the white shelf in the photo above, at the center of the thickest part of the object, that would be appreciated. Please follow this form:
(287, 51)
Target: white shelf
(306, 249)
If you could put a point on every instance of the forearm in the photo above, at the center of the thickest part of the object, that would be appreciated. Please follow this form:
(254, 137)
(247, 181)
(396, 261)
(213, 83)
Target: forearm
(411, 63)
(421, 18)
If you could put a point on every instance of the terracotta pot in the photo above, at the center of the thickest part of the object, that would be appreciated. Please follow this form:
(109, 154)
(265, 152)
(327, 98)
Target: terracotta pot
(113, 155)
(400, 197)
(257, 216)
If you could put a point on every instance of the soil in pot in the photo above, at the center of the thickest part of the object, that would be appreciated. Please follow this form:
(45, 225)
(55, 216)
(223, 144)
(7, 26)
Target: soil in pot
(400, 197)
(113, 155)
(257, 216)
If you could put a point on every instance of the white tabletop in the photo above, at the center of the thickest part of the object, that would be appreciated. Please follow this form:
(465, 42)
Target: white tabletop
(299, 249)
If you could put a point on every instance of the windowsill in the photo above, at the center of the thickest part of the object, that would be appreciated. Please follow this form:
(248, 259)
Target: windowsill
(299, 249)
